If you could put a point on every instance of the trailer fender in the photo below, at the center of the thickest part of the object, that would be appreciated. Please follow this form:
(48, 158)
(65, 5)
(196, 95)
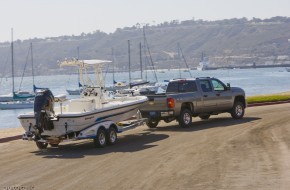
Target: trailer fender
(91, 132)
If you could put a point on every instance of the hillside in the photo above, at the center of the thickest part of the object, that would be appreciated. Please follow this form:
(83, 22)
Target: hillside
(232, 42)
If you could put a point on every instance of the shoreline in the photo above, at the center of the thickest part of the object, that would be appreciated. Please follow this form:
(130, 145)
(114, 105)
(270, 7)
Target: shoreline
(9, 134)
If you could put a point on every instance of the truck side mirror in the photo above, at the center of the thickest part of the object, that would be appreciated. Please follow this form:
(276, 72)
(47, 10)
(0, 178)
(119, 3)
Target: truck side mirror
(228, 86)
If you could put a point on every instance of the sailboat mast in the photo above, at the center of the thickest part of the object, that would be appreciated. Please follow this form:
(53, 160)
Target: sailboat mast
(129, 61)
(141, 67)
(146, 58)
(113, 57)
(181, 53)
(152, 64)
(78, 52)
(32, 63)
(12, 60)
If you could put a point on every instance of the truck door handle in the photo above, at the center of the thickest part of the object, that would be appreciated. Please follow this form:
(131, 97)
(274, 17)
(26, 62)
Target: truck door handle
(204, 95)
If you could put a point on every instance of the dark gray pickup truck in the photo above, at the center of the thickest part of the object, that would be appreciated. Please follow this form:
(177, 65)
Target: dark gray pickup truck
(187, 98)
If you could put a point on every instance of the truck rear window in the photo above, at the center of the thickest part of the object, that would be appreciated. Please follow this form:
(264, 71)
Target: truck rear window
(184, 86)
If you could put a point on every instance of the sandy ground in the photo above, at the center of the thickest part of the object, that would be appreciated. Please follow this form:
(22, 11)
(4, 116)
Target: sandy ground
(221, 153)
(4, 133)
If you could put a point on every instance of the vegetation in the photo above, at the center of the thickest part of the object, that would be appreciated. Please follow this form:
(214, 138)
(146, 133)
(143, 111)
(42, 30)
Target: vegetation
(268, 98)
(229, 42)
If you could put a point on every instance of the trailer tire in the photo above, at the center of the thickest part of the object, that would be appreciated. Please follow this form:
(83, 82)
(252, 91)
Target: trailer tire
(238, 110)
(185, 118)
(152, 123)
(100, 140)
(41, 145)
(112, 136)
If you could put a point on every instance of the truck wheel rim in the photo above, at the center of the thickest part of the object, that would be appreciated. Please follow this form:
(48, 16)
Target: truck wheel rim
(239, 110)
(102, 139)
(186, 118)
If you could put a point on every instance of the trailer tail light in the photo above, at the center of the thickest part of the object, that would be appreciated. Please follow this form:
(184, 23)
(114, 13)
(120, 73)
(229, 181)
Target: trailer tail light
(170, 102)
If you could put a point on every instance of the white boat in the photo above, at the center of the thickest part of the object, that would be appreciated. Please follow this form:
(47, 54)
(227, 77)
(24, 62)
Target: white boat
(24, 104)
(159, 87)
(74, 92)
(73, 116)
(19, 95)
(118, 86)
(6, 98)
(77, 114)
(203, 64)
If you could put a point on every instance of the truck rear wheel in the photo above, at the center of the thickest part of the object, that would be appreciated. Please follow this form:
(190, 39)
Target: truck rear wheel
(238, 110)
(185, 118)
(100, 140)
(152, 123)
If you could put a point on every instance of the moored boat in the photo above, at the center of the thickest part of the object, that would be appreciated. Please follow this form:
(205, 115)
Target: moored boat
(24, 104)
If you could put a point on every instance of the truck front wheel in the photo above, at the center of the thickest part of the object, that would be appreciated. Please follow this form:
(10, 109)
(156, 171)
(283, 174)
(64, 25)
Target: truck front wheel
(238, 110)
(152, 123)
(185, 118)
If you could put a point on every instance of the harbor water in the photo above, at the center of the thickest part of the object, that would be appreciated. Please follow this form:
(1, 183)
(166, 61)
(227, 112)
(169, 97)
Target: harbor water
(253, 81)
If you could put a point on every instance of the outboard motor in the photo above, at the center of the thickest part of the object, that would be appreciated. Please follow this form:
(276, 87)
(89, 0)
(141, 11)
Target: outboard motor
(43, 109)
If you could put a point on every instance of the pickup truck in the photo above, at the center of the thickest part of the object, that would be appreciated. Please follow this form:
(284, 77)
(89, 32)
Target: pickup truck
(195, 97)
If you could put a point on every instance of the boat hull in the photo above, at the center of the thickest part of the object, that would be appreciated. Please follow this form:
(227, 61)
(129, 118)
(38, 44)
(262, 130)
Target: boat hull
(66, 122)
(16, 105)
(74, 92)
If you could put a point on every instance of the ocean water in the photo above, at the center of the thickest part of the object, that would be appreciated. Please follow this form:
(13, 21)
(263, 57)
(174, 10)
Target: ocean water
(253, 81)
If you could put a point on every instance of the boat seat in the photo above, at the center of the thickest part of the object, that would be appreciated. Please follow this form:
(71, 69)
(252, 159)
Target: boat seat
(81, 105)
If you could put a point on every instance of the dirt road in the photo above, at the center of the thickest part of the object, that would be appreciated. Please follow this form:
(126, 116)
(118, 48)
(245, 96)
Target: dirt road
(221, 153)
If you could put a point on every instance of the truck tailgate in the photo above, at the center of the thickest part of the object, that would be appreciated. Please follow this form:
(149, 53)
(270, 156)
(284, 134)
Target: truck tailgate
(155, 103)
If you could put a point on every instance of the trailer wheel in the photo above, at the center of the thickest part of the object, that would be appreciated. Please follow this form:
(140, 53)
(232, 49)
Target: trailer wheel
(111, 136)
(41, 145)
(100, 140)
(238, 110)
(185, 118)
(152, 123)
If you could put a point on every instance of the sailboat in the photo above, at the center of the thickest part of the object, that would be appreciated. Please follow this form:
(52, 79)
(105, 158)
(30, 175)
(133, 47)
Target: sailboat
(136, 84)
(50, 124)
(20, 99)
(203, 64)
(78, 90)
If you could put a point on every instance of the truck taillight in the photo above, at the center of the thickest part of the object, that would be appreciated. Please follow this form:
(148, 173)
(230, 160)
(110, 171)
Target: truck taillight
(170, 102)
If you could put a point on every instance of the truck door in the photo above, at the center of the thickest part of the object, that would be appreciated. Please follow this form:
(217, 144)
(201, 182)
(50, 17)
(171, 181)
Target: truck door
(208, 96)
(223, 95)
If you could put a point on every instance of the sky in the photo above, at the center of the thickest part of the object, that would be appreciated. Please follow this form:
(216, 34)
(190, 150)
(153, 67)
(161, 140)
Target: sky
(52, 18)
